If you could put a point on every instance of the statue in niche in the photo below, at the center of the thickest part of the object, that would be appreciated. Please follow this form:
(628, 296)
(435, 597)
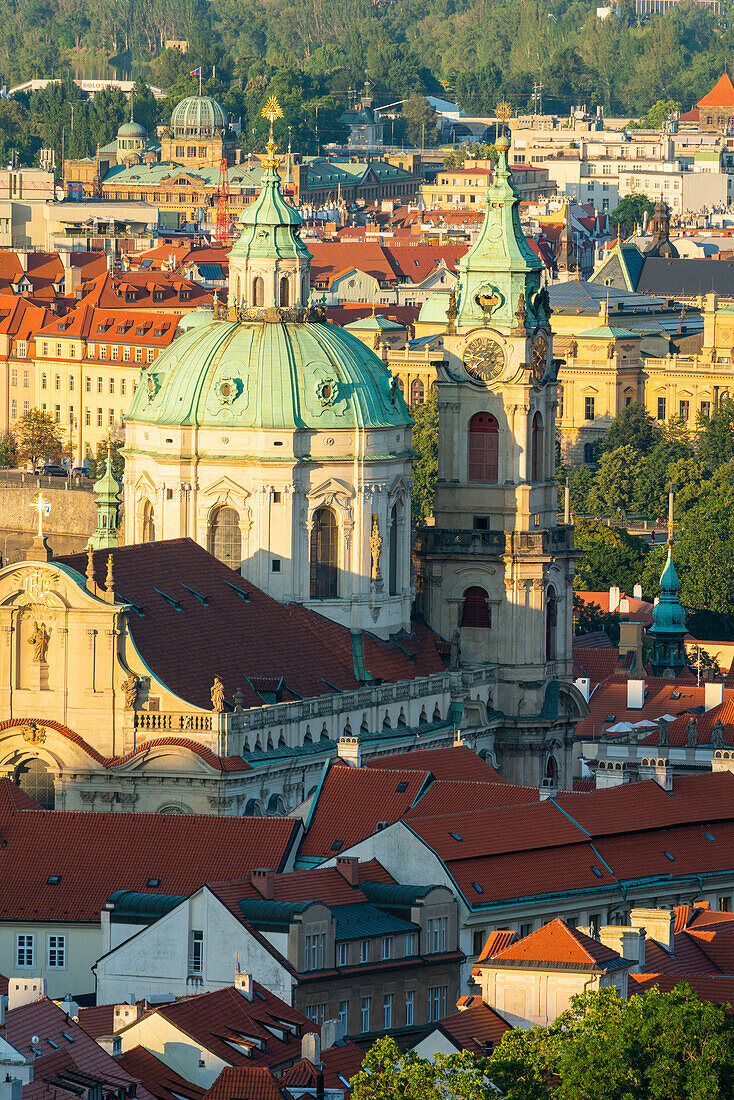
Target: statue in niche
(130, 689)
(375, 549)
(39, 641)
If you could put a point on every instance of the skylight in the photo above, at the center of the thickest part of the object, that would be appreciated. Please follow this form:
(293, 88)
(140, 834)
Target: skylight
(456, 836)
(596, 871)
(337, 845)
(53, 880)
(711, 837)
(670, 856)
(479, 889)
(152, 882)
(402, 786)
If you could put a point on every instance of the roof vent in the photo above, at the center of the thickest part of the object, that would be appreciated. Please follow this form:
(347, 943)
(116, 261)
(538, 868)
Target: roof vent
(381, 825)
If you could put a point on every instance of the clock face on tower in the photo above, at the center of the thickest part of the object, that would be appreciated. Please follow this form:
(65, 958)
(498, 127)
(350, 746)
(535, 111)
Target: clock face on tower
(484, 359)
(540, 349)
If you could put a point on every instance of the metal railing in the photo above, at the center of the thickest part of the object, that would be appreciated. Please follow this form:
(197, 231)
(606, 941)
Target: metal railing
(27, 479)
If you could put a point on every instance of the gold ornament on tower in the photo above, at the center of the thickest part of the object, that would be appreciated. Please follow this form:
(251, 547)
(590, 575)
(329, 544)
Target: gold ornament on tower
(34, 733)
(271, 111)
(376, 549)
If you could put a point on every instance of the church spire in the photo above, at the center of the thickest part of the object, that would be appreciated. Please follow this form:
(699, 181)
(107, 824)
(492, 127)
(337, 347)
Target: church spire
(501, 265)
(106, 490)
(668, 628)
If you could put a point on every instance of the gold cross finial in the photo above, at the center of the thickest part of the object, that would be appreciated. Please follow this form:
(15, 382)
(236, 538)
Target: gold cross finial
(43, 507)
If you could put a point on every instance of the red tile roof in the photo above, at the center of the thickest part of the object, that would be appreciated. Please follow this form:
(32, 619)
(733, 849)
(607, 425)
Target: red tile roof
(234, 638)
(145, 290)
(443, 796)
(239, 1031)
(557, 944)
(638, 611)
(352, 802)
(160, 1080)
(721, 95)
(246, 1083)
(718, 990)
(465, 835)
(323, 884)
(137, 847)
(496, 942)
(459, 762)
(678, 730)
(53, 1027)
(610, 698)
(340, 1063)
(477, 1029)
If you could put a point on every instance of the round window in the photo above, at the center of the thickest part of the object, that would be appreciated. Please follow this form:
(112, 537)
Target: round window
(326, 392)
(225, 389)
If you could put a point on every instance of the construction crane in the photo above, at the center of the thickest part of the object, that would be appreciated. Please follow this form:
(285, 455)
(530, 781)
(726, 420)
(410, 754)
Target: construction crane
(222, 231)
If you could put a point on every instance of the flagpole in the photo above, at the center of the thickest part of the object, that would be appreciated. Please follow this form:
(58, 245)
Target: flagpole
(199, 79)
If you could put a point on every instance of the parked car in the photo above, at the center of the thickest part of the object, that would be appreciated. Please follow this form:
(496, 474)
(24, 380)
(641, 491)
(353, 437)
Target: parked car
(80, 471)
(49, 469)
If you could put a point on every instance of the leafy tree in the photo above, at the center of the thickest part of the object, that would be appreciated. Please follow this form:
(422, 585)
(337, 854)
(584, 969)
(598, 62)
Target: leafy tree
(8, 451)
(391, 1074)
(610, 556)
(38, 437)
(589, 617)
(632, 426)
(96, 465)
(631, 211)
(420, 121)
(614, 488)
(659, 113)
(425, 467)
(654, 474)
(652, 1046)
(698, 659)
(715, 442)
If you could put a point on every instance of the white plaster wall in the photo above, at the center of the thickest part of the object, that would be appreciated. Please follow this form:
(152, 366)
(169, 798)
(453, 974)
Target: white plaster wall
(83, 945)
(156, 959)
(174, 1048)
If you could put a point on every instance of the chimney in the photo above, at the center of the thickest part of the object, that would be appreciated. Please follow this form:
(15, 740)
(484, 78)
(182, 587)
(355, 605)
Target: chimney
(656, 768)
(348, 868)
(713, 695)
(24, 991)
(111, 1043)
(614, 595)
(332, 1032)
(124, 1015)
(610, 773)
(311, 1048)
(630, 641)
(657, 923)
(635, 694)
(627, 942)
(349, 751)
(243, 984)
(262, 879)
(637, 592)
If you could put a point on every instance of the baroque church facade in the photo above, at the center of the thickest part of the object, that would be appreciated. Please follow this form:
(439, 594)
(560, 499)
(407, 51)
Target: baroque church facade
(259, 621)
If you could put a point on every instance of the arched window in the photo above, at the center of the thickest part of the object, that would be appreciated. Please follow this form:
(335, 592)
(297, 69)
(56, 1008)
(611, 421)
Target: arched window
(484, 448)
(475, 609)
(35, 779)
(401, 386)
(551, 770)
(258, 291)
(551, 624)
(417, 392)
(285, 291)
(536, 448)
(393, 553)
(148, 522)
(324, 555)
(590, 452)
(225, 538)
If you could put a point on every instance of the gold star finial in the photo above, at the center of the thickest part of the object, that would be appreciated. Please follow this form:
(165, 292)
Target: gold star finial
(271, 111)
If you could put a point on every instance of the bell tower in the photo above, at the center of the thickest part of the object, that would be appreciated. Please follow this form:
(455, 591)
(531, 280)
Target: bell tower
(494, 572)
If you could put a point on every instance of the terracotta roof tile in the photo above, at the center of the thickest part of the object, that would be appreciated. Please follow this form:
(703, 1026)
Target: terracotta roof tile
(557, 944)
(443, 796)
(459, 762)
(340, 1063)
(232, 637)
(160, 1080)
(477, 1029)
(352, 802)
(137, 847)
(721, 95)
(246, 1083)
(718, 990)
(496, 942)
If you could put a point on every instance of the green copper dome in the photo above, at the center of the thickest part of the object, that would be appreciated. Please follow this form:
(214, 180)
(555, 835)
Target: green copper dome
(668, 617)
(268, 375)
(270, 225)
(197, 116)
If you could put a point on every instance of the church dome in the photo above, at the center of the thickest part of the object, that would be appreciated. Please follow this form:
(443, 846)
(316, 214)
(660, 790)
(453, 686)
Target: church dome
(132, 129)
(197, 116)
(261, 375)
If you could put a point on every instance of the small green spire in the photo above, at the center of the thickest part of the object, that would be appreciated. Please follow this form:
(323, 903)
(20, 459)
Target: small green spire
(668, 628)
(106, 490)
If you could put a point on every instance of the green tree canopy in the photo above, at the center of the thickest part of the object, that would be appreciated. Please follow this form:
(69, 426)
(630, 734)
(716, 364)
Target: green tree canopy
(633, 427)
(615, 483)
(391, 1074)
(420, 121)
(425, 466)
(38, 437)
(630, 212)
(659, 114)
(656, 1046)
(715, 441)
(610, 556)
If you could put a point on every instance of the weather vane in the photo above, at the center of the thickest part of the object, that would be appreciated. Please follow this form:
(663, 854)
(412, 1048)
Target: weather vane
(271, 111)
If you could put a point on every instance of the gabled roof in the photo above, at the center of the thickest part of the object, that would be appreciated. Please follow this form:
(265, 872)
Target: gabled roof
(496, 942)
(62, 1045)
(138, 848)
(240, 631)
(340, 1064)
(721, 95)
(444, 795)
(160, 1080)
(557, 945)
(264, 1031)
(246, 1083)
(477, 1029)
(459, 762)
(351, 803)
